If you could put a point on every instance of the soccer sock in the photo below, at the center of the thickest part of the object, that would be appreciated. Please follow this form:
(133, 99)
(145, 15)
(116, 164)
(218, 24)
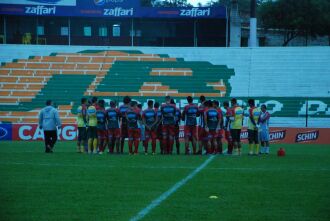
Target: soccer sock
(101, 146)
(82, 148)
(267, 149)
(170, 146)
(136, 145)
(153, 144)
(95, 145)
(122, 141)
(256, 148)
(145, 144)
(164, 143)
(251, 148)
(177, 146)
(90, 145)
(130, 144)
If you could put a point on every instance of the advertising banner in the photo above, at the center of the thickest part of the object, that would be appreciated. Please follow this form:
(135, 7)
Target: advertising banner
(5, 131)
(104, 8)
(31, 132)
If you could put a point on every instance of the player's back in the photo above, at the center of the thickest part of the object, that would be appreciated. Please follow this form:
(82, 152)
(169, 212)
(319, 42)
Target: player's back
(133, 115)
(81, 115)
(255, 113)
(101, 118)
(168, 114)
(123, 109)
(150, 116)
(91, 113)
(237, 113)
(212, 117)
(112, 116)
(190, 114)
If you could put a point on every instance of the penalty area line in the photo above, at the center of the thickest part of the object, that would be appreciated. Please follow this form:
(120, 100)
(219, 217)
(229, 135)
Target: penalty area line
(142, 213)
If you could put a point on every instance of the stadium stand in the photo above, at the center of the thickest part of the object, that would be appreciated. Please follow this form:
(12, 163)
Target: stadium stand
(280, 77)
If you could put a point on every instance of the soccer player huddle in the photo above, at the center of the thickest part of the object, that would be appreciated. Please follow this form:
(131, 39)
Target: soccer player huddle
(204, 126)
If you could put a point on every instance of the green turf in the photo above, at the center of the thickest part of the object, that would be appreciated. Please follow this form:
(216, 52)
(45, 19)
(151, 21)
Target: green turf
(70, 186)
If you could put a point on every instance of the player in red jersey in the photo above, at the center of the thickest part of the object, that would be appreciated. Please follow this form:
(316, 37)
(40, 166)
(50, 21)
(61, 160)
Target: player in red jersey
(216, 105)
(113, 117)
(202, 136)
(212, 126)
(150, 119)
(168, 129)
(123, 125)
(177, 127)
(101, 126)
(189, 115)
(227, 128)
(133, 116)
(158, 127)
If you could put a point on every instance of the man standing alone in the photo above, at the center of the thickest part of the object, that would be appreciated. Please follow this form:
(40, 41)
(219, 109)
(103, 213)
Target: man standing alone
(48, 121)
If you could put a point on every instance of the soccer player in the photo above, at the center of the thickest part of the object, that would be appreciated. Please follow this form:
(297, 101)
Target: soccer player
(264, 129)
(227, 128)
(133, 116)
(92, 126)
(81, 124)
(158, 127)
(253, 133)
(48, 121)
(177, 127)
(189, 115)
(202, 136)
(123, 126)
(168, 119)
(216, 105)
(150, 119)
(141, 125)
(101, 126)
(212, 126)
(113, 117)
(236, 119)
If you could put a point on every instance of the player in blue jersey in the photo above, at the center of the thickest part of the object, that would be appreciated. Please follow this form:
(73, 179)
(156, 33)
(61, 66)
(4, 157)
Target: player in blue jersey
(101, 126)
(133, 115)
(168, 121)
(202, 135)
(150, 119)
(212, 126)
(123, 125)
(177, 127)
(264, 129)
(113, 118)
(158, 127)
(189, 115)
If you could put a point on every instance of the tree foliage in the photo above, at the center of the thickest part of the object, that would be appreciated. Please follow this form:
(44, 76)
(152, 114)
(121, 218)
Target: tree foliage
(307, 18)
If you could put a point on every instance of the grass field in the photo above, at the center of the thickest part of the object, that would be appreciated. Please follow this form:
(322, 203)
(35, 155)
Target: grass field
(70, 186)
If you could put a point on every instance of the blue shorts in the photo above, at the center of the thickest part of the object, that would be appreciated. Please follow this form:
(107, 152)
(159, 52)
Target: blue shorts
(264, 135)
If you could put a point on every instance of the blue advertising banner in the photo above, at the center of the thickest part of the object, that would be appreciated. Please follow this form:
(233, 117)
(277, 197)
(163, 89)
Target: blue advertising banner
(6, 131)
(104, 8)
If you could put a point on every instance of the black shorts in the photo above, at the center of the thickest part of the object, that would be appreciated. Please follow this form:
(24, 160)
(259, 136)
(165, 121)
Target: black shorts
(92, 132)
(236, 135)
(82, 134)
(253, 136)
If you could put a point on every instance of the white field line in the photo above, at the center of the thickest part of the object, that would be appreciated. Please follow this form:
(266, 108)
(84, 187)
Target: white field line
(162, 167)
(170, 191)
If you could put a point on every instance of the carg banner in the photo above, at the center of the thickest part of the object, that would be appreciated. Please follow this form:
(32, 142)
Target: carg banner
(31, 132)
(295, 135)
